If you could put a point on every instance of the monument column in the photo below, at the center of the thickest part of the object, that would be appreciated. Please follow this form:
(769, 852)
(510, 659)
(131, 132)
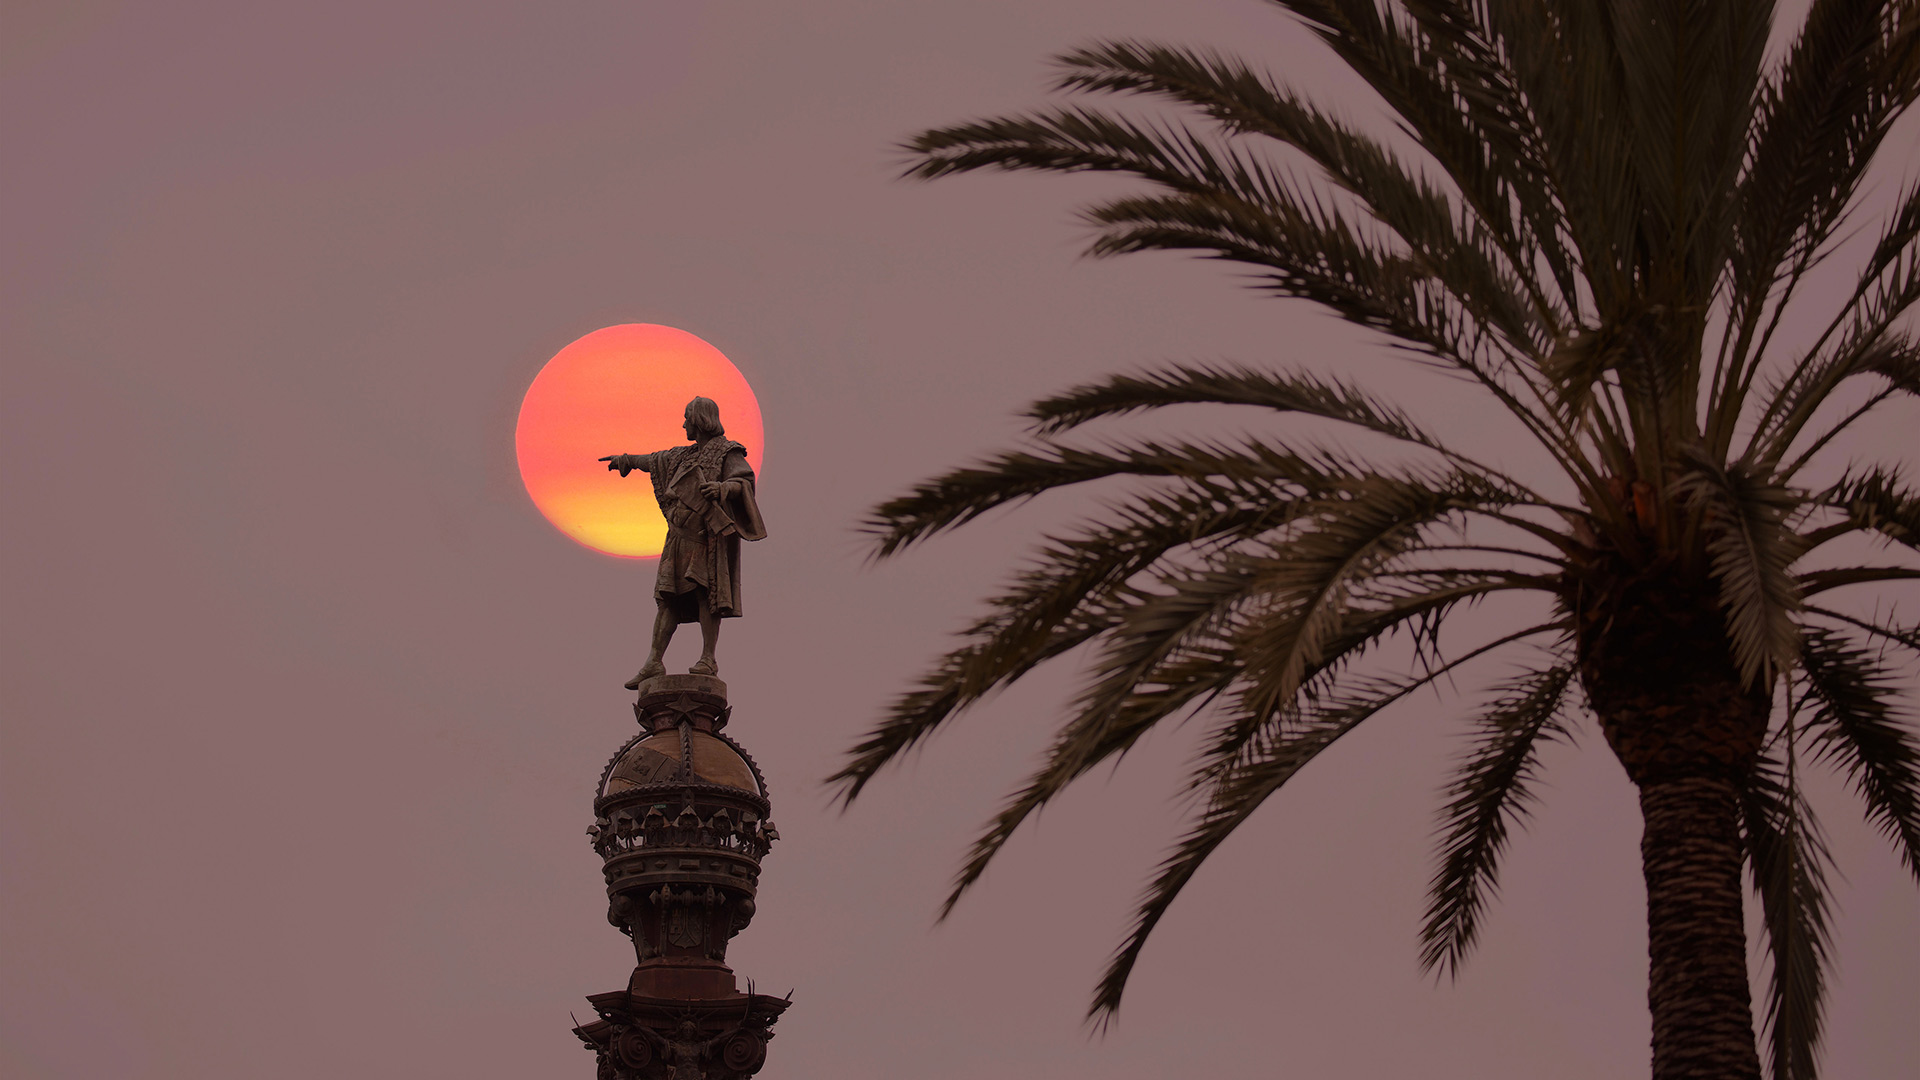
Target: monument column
(681, 826)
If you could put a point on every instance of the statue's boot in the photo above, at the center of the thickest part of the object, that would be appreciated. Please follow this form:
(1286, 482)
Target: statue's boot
(653, 670)
(706, 666)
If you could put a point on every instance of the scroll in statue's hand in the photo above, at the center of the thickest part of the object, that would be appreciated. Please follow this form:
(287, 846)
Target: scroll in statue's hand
(713, 489)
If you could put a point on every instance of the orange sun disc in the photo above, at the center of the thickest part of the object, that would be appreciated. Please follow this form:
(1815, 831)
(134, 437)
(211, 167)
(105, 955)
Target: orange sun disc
(621, 390)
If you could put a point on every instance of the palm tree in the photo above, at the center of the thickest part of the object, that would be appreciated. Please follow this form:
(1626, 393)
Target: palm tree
(1609, 212)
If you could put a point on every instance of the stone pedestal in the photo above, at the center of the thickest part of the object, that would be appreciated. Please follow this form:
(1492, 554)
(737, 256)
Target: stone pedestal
(680, 824)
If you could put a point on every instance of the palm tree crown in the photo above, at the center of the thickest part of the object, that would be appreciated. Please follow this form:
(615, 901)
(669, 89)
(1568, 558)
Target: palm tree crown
(1611, 207)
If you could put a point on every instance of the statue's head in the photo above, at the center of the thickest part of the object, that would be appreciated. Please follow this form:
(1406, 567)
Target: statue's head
(703, 419)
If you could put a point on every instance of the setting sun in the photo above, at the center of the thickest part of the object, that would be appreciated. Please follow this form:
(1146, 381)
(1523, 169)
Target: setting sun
(621, 390)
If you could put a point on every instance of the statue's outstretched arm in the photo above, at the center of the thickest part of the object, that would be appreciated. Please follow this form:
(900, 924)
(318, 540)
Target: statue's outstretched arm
(626, 463)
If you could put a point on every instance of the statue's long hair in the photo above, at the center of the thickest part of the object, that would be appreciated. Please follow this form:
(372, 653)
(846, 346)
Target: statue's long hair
(706, 419)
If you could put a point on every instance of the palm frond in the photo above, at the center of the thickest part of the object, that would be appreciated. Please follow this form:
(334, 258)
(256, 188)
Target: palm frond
(1487, 796)
(1744, 519)
(1789, 859)
(1888, 286)
(1894, 357)
(1635, 183)
(1453, 85)
(1315, 574)
(1222, 384)
(1877, 501)
(1237, 206)
(1889, 282)
(1444, 302)
(1907, 636)
(1065, 597)
(1186, 384)
(1814, 582)
(1794, 403)
(1415, 608)
(1562, 60)
(1857, 726)
(1820, 120)
(1487, 266)
(1302, 248)
(1622, 360)
(1688, 77)
(958, 497)
(1236, 795)
(1268, 621)
(1820, 117)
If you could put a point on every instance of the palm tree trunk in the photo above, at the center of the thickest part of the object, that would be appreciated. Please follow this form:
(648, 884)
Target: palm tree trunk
(1657, 670)
(1697, 984)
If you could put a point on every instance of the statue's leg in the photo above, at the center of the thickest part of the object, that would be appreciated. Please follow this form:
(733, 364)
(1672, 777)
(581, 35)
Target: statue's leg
(663, 626)
(709, 637)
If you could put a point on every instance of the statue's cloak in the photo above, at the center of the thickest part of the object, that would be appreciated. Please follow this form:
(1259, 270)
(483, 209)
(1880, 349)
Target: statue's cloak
(702, 549)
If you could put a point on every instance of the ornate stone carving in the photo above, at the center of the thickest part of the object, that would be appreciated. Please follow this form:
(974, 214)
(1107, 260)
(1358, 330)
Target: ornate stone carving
(649, 1039)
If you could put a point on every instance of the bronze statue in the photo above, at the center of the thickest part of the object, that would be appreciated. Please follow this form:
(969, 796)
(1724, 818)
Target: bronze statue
(705, 492)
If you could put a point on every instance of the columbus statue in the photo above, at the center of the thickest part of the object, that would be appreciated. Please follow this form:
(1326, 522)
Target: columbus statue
(706, 494)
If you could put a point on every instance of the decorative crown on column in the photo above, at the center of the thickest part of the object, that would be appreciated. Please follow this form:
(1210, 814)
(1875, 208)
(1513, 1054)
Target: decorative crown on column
(681, 825)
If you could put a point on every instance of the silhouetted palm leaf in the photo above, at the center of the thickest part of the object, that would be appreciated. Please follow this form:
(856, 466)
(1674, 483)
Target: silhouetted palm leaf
(1233, 797)
(1876, 501)
(1789, 860)
(1856, 725)
(1752, 551)
(1487, 796)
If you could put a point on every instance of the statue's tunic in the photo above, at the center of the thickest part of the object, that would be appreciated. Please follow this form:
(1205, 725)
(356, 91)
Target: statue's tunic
(702, 550)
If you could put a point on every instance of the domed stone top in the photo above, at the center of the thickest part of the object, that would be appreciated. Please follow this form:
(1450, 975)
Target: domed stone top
(660, 758)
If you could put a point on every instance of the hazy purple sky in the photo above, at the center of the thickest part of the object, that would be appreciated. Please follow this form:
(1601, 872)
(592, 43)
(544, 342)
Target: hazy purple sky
(303, 701)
